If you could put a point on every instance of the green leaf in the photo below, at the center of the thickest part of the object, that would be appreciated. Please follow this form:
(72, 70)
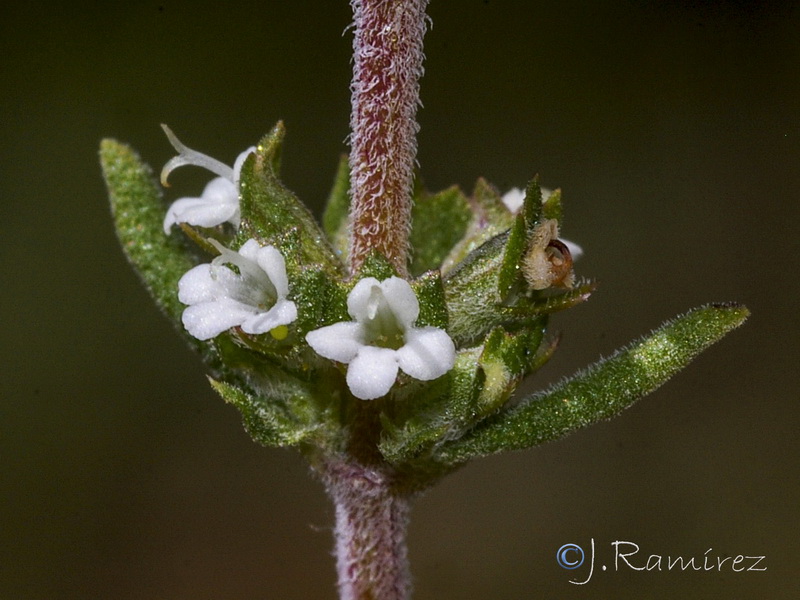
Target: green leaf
(432, 306)
(551, 208)
(138, 211)
(510, 272)
(480, 382)
(334, 219)
(546, 302)
(265, 419)
(601, 391)
(532, 205)
(269, 210)
(474, 303)
(490, 218)
(439, 221)
(516, 351)
(323, 300)
(471, 292)
(444, 409)
(489, 206)
(375, 265)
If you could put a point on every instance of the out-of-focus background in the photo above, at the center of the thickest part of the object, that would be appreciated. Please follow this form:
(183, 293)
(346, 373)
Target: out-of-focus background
(673, 128)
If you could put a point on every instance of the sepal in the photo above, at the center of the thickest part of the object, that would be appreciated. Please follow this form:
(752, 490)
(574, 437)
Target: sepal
(471, 291)
(268, 209)
(429, 290)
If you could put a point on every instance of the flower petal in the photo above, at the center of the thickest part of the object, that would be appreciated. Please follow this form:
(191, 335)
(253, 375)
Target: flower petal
(575, 251)
(229, 284)
(273, 264)
(197, 285)
(401, 299)
(513, 199)
(237, 166)
(250, 250)
(218, 204)
(220, 191)
(208, 319)
(358, 300)
(372, 372)
(283, 313)
(340, 341)
(427, 354)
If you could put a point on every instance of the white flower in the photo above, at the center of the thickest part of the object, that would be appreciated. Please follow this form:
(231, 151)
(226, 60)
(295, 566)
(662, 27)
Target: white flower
(253, 299)
(513, 200)
(383, 338)
(219, 202)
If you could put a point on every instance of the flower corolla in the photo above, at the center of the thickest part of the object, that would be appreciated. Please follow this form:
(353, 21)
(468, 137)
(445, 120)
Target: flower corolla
(219, 202)
(513, 200)
(382, 339)
(253, 299)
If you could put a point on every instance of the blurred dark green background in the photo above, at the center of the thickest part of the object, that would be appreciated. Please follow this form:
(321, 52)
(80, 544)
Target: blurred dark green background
(673, 129)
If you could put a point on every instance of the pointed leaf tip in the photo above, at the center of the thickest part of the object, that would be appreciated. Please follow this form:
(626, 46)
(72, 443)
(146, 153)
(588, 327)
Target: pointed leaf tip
(601, 391)
(138, 213)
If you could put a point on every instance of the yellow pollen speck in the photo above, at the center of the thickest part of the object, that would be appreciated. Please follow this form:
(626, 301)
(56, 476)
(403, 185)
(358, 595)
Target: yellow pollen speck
(280, 332)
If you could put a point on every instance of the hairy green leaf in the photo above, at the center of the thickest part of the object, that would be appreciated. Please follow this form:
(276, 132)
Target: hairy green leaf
(480, 383)
(430, 294)
(138, 213)
(439, 221)
(601, 391)
(532, 206)
(265, 419)
(269, 210)
(490, 217)
(509, 272)
(551, 208)
(443, 410)
(334, 219)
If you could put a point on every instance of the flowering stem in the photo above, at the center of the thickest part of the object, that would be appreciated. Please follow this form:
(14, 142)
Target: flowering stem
(387, 65)
(371, 524)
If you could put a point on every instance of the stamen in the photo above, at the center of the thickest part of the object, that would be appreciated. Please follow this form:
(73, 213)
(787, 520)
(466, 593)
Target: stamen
(247, 268)
(187, 156)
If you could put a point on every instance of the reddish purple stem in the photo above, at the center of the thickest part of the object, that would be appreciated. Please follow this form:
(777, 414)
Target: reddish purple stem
(387, 53)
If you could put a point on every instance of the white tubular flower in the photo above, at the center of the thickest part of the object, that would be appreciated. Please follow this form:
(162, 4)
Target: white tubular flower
(219, 202)
(513, 200)
(253, 299)
(383, 339)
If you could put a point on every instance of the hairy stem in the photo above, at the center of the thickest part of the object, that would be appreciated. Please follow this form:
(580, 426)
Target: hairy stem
(371, 525)
(387, 65)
